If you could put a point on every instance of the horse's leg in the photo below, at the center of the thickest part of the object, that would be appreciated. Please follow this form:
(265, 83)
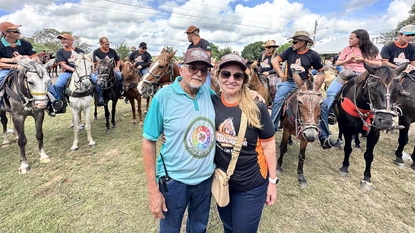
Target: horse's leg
(75, 118)
(114, 105)
(403, 140)
(301, 158)
(39, 117)
(283, 149)
(348, 134)
(95, 104)
(290, 140)
(132, 102)
(18, 121)
(6, 141)
(107, 117)
(357, 142)
(87, 113)
(148, 103)
(371, 141)
(140, 112)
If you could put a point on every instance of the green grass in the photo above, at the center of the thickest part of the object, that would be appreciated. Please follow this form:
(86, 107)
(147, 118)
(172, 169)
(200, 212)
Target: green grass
(103, 189)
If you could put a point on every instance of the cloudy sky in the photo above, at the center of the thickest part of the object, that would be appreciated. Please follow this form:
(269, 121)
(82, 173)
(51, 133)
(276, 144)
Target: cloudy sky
(232, 23)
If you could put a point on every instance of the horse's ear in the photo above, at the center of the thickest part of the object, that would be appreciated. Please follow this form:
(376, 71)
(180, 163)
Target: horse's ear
(163, 50)
(25, 62)
(171, 55)
(97, 58)
(369, 68)
(401, 68)
(297, 78)
(319, 80)
(254, 64)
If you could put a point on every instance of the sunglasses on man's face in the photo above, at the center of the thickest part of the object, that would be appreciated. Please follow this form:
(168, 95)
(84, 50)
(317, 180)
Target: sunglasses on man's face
(194, 69)
(13, 31)
(295, 41)
(239, 76)
(144, 47)
(268, 47)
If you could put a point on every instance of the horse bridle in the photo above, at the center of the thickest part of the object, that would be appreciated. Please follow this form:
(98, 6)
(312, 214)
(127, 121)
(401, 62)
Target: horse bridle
(169, 70)
(109, 79)
(81, 77)
(300, 125)
(390, 109)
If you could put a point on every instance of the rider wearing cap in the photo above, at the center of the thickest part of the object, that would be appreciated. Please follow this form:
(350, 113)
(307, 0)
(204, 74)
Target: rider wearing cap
(196, 42)
(265, 63)
(105, 52)
(140, 58)
(66, 59)
(402, 50)
(12, 48)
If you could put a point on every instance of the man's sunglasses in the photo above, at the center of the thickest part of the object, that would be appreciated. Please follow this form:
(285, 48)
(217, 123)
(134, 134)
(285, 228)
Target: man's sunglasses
(295, 41)
(144, 47)
(239, 76)
(268, 47)
(14, 31)
(194, 69)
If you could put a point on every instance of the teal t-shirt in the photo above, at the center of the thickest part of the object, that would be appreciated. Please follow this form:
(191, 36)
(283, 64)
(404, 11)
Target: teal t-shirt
(189, 127)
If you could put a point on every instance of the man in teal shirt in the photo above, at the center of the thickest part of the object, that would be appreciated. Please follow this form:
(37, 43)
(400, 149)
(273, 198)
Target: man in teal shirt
(181, 177)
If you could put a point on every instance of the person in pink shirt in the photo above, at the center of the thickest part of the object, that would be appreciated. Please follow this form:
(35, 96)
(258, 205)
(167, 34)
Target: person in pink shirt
(361, 50)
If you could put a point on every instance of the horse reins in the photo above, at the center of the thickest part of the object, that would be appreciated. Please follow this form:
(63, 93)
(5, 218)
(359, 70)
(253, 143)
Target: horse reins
(82, 77)
(300, 125)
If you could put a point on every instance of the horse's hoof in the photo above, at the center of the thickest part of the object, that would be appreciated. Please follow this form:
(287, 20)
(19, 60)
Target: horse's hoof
(74, 149)
(95, 118)
(141, 123)
(145, 112)
(343, 173)
(399, 163)
(24, 170)
(108, 130)
(134, 122)
(114, 126)
(92, 145)
(45, 160)
(279, 170)
(366, 185)
(358, 149)
(303, 184)
(5, 145)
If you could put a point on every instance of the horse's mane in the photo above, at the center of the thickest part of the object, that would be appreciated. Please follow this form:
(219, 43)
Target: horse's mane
(384, 73)
(163, 57)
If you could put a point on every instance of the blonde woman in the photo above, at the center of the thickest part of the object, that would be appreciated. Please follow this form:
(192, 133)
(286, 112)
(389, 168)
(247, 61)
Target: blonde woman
(254, 180)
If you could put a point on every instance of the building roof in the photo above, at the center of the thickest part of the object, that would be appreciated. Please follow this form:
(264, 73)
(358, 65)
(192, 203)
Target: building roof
(335, 46)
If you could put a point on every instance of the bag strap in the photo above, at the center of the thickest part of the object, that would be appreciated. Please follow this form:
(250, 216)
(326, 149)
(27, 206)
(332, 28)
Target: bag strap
(238, 145)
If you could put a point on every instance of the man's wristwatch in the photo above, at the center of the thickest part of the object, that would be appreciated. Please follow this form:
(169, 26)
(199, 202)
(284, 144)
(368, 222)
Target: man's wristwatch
(274, 181)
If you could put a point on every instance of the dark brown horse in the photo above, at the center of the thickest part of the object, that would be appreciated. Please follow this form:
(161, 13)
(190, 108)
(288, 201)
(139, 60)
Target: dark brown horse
(406, 102)
(162, 71)
(301, 118)
(130, 82)
(367, 105)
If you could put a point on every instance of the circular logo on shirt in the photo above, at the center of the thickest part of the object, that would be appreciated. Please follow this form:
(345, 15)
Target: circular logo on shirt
(199, 137)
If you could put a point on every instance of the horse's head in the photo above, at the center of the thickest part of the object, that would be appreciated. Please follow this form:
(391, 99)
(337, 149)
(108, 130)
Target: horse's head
(129, 73)
(105, 71)
(160, 71)
(309, 99)
(81, 77)
(380, 91)
(35, 79)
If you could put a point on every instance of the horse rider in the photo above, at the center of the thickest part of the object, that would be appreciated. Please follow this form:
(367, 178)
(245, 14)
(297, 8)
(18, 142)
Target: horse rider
(65, 59)
(300, 58)
(197, 42)
(265, 64)
(402, 50)
(140, 58)
(105, 52)
(12, 48)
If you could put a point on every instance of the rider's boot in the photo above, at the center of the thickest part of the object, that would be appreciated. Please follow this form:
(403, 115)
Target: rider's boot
(59, 106)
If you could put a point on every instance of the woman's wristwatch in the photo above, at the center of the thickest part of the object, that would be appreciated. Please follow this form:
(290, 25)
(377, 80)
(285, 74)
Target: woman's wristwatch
(274, 181)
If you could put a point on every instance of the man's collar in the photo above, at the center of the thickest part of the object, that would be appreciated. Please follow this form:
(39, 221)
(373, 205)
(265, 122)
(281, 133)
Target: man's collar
(7, 44)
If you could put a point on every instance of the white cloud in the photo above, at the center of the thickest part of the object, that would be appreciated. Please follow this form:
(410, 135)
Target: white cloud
(164, 24)
(358, 4)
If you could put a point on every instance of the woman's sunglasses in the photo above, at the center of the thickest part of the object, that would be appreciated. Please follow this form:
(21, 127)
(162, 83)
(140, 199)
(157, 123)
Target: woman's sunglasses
(239, 76)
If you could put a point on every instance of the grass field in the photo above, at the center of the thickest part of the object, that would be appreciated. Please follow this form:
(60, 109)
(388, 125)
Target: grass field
(103, 189)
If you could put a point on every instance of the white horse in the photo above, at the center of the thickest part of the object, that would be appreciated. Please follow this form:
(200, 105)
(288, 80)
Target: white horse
(80, 96)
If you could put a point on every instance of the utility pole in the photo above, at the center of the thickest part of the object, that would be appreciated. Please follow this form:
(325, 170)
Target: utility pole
(315, 32)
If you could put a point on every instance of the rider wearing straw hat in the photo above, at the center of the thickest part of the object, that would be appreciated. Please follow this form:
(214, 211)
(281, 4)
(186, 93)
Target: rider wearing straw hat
(267, 69)
(300, 58)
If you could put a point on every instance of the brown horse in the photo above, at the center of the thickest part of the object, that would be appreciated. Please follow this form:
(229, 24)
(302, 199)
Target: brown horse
(130, 82)
(258, 85)
(163, 71)
(301, 118)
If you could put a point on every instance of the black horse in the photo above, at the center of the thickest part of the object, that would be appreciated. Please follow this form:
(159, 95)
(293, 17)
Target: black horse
(110, 89)
(367, 105)
(406, 102)
(25, 94)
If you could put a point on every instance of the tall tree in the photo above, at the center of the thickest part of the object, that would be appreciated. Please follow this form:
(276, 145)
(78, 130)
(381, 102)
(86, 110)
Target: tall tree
(389, 37)
(48, 38)
(284, 47)
(252, 50)
(122, 49)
